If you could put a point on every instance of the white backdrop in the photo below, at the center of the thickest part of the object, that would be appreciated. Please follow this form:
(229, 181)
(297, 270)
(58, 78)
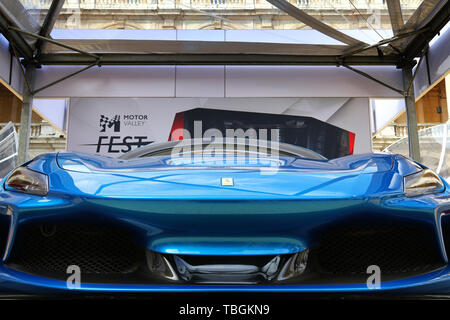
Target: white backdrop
(161, 91)
(10, 72)
(438, 62)
(150, 119)
(218, 81)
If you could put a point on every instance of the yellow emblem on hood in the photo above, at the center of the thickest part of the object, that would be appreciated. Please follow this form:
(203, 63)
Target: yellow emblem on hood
(227, 182)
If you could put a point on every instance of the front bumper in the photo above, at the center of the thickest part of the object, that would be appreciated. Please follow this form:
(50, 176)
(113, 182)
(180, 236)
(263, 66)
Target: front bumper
(12, 281)
(264, 228)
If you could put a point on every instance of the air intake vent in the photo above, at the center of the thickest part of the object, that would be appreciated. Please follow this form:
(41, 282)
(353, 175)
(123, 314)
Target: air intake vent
(396, 250)
(50, 249)
(5, 221)
(445, 222)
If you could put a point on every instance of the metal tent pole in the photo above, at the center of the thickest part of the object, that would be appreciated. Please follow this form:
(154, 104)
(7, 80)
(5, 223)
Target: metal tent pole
(25, 118)
(411, 114)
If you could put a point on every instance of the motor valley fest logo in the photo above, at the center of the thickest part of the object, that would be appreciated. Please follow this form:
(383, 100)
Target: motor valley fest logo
(112, 141)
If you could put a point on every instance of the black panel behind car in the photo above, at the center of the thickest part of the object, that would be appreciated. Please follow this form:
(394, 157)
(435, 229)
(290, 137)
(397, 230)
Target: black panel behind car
(321, 137)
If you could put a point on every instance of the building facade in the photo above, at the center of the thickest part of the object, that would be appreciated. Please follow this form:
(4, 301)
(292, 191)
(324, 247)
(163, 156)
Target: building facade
(216, 14)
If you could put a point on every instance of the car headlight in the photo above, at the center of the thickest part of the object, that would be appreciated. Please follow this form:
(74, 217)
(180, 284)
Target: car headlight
(422, 182)
(28, 181)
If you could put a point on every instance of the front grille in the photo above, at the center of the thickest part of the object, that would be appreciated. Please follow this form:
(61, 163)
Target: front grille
(255, 260)
(214, 269)
(342, 255)
(397, 250)
(445, 223)
(50, 249)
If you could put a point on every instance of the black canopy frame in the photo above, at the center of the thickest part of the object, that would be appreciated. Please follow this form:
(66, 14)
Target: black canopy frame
(33, 47)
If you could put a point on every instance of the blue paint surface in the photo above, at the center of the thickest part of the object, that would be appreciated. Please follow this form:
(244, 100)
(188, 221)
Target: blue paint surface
(181, 208)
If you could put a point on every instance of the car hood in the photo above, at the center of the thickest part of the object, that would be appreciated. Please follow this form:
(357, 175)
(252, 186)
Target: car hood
(197, 179)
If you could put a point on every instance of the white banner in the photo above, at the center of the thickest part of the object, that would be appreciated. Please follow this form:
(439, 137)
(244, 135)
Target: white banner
(112, 126)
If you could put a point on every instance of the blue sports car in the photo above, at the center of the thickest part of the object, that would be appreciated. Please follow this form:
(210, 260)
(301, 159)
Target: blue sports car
(205, 217)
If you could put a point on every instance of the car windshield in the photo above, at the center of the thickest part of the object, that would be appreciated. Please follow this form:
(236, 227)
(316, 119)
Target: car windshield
(239, 150)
